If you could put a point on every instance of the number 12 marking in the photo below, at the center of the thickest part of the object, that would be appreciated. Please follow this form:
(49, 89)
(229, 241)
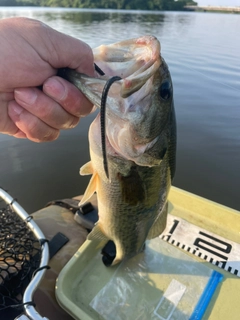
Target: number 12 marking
(220, 252)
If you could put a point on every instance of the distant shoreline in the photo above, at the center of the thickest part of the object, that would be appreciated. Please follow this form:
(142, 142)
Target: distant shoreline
(213, 9)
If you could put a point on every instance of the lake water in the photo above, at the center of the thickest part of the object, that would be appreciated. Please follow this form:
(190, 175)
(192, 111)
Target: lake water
(203, 54)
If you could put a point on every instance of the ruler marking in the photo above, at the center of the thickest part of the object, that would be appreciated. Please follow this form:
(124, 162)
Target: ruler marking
(175, 224)
(208, 246)
(228, 246)
(168, 238)
(198, 242)
(164, 237)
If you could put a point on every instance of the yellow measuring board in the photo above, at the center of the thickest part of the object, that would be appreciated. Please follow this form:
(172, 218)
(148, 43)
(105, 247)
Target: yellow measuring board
(208, 232)
(223, 224)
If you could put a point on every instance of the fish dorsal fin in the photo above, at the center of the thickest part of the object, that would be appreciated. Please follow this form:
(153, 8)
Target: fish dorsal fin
(86, 169)
(159, 225)
(91, 188)
(97, 234)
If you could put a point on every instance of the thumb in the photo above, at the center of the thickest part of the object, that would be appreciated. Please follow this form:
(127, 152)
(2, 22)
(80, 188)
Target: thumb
(70, 52)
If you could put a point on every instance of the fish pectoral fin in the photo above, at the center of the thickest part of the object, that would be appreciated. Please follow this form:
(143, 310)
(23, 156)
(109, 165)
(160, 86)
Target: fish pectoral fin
(97, 234)
(147, 160)
(132, 187)
(91, 188)
(160, 224)
(86, 169)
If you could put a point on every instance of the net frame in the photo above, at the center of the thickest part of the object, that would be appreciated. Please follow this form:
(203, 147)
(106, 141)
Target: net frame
(38, 275)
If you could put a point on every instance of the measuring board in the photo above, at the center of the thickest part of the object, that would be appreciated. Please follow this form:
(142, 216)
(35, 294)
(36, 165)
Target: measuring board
(215, 249)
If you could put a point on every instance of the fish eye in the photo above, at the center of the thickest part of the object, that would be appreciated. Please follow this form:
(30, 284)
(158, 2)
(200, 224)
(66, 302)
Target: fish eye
(165, 90)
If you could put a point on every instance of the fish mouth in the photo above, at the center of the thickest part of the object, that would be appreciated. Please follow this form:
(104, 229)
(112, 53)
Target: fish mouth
(134, 60)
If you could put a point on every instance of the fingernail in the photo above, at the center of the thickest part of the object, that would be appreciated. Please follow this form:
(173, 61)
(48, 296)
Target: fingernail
(17, 109)
(54, 88)
(27, 95)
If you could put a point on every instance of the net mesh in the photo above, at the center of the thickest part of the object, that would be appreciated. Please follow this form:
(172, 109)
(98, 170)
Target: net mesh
(20, 254)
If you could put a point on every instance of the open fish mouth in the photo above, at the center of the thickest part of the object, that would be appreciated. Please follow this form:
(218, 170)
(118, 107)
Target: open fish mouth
(134, 60)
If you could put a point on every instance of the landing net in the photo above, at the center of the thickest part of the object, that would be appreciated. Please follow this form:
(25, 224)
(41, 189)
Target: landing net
(20, 254)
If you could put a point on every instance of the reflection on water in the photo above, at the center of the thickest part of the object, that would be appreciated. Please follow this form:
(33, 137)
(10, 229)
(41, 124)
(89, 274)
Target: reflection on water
(202, 51)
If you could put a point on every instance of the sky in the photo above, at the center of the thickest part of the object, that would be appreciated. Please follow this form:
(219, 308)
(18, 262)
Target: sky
(226, 3)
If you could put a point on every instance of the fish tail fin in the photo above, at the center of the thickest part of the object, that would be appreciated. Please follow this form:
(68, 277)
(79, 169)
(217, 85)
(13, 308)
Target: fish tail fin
(120, 255)
(97, 233)
(116, 261)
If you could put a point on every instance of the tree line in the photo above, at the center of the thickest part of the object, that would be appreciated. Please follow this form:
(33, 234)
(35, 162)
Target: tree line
(104, 4)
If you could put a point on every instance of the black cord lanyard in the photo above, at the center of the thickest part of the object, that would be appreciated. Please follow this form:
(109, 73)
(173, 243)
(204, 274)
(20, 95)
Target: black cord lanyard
(103, 120)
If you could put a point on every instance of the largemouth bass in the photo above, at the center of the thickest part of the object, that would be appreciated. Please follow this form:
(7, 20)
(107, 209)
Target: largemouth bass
(140, 139)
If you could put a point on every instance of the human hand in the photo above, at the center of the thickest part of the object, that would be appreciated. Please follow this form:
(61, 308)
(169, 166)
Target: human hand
(31, 52)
